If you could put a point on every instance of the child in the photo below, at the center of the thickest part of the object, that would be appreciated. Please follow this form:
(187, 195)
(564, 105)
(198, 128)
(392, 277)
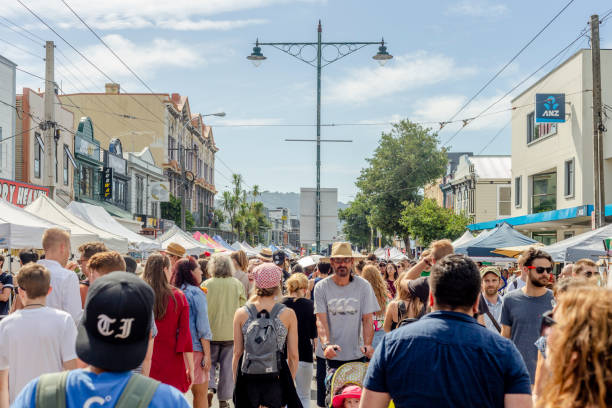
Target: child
(36, 339)
(348, 397)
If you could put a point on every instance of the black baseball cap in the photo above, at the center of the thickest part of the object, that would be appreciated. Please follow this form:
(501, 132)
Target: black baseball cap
(279, 257)
(114, 332)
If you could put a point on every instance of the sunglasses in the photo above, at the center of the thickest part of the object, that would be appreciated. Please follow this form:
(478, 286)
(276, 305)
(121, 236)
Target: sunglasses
(547, 323)
(541, 269)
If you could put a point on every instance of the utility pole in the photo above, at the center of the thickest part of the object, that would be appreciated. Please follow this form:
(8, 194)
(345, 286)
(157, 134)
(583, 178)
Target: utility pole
(181, 153)
(598, 128)
(49, 124)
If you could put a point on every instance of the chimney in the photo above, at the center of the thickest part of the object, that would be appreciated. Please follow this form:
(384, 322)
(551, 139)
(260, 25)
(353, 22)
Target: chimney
(112, 88)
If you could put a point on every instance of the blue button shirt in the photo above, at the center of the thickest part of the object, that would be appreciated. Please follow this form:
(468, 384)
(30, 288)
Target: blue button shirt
(447, 359)
(198, 315)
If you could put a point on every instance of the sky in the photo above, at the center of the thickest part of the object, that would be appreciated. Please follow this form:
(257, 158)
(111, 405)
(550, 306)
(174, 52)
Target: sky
(444, 52)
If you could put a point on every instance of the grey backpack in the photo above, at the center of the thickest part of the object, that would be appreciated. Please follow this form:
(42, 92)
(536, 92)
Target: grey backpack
(261, 352)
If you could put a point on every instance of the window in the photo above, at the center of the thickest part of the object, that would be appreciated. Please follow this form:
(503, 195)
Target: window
(119, 192)
(171, 147)
(569, 178)
(504, 200)
(531, 130)
(37, 155)
(544, 192)
(568, 234)
(139, 194)
(545, 237)
(86, 181)
(65, 165)
(537, 131)
(518, 182)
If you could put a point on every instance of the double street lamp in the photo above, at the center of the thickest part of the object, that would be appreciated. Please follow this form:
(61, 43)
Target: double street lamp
(342, 49)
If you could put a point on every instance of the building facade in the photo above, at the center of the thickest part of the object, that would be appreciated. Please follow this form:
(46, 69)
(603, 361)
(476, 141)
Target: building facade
(144, 176)
(552, 163)
(435, 190)
(280, 226)
(29, 160)
(8, 117)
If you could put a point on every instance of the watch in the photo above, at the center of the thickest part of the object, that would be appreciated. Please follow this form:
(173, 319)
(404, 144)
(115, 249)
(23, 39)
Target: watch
(324, 346)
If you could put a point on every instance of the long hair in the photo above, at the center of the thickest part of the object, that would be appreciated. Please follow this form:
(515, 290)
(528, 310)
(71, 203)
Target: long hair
(220, 266)
(414, 304)
(240, 258)
(182, 272)
(580, 351)
(372, 275)
(395, 274)
(156, 278)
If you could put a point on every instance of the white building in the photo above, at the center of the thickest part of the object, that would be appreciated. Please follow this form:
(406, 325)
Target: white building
(552, 163)
(8, 117)
(329, 216)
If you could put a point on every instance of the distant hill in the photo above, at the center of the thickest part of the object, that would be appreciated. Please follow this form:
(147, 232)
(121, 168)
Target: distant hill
(273, 200)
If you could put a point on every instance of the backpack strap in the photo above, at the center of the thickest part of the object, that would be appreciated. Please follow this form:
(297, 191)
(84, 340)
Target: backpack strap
(276, 310)
(401, 310)
(138, 392)
(51, 390)
(251, 310)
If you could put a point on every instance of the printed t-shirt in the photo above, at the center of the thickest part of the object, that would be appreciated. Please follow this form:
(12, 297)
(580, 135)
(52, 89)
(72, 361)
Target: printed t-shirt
(6, 279)
(87, 389)
(524, 316)
(35, 342)
(307, 325)
(447, 359)
(224, 297)
(344, 307)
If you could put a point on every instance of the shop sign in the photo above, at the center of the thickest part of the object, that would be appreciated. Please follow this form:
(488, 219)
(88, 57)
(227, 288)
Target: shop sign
(107, 182)
(20, 194)
(550, 108)
(159, 192)
(86, 148)
(116, 163)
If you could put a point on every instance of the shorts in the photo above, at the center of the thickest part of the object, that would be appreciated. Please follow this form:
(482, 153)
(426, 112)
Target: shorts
(265, 391)
(200, 376)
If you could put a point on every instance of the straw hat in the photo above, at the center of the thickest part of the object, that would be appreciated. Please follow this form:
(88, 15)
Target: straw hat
(175, 249)
(266, 254)
(341, 250)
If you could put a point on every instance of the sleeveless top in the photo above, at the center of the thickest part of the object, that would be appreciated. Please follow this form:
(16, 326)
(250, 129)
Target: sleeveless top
(400, 314)
(281, 330)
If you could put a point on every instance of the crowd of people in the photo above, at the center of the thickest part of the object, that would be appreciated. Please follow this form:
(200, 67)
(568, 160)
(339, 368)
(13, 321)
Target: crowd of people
(440, 331)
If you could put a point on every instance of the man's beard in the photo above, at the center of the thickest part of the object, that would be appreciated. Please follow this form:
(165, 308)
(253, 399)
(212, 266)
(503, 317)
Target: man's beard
(536, 282)
(490, 291)
(342, 271)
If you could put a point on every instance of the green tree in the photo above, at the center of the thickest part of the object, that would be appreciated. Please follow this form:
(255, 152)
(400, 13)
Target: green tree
(428, 221)
(356, 226)
(406, 159)
(171, 210)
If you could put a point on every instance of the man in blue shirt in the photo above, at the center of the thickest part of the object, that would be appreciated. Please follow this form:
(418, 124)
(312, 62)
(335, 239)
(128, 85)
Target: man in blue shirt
(447, 359)
(112, 338)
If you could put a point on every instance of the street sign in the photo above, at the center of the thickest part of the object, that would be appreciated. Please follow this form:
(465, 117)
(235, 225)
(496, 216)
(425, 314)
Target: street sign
(550, 108)
(107, 182)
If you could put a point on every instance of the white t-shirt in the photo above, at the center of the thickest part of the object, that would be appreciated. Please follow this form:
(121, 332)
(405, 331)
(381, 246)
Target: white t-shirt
(35, 341)
(65, 293)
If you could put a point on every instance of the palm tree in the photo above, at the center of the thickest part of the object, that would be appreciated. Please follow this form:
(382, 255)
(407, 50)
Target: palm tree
(227, 202)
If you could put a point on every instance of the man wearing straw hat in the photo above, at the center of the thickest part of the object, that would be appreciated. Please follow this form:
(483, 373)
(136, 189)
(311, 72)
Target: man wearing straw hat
(175, 252)
(344, 305)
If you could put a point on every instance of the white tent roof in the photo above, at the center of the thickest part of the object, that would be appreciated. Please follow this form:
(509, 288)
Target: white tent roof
(80, 231)
(586, 245)
(466, 237)
(98, 216)
(20, 229)
(241, 247)
(184, 239)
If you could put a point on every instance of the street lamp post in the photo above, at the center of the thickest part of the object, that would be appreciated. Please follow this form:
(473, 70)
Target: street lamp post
(319, 62)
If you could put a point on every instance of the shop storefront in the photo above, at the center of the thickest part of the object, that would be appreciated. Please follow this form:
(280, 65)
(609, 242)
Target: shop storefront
(115, 168)
(87, 178)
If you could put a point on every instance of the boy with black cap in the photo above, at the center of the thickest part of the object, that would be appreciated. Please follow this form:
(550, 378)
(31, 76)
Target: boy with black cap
(278, 258)
(112, 338)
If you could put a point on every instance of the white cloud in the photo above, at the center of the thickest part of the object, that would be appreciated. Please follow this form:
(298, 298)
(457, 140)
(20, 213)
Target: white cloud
(137, 14)
(400, 74)
(478, 8)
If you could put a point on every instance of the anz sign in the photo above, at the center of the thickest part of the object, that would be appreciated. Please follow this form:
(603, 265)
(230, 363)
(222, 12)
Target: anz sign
(550, 108)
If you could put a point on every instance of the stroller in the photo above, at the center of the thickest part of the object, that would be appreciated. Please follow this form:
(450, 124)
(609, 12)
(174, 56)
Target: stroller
(346, 374)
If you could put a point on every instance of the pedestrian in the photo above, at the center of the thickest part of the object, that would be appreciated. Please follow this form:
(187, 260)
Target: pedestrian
(112, 338)
(520, 279)
(348, 397)
(297, 268)
(130, 264)
(409, 305)
(322, 271)
(86, 251)
(6, 288)
(27, 255)
(65, 283)
(580, 350)
(382, 267)
(36, 339)
(390, 277)
(446, 359)
(437, 250)
(297, 288)
(279, 257)
(261, 328)
(225, 296)
(344, 305)
(566, 272)
(241, 264)
(188, 278)
(584, 269)
(175, 252)
(371, 274)
(490, 305)
(523, 308)
(359, 267)
(172, 360)
(265, 254)
(204, 267)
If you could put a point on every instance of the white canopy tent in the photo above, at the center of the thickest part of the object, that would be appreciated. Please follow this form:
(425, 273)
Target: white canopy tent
(20, 229)
(184, 239)
(80, 231)
(98, 217)
(586, 245)
(241, 247)
(466, 237)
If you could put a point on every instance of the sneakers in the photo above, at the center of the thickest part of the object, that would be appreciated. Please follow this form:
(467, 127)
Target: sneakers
(211, 394)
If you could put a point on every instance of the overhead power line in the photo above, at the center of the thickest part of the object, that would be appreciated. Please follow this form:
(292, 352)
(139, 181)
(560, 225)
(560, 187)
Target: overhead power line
(25, 30)
(21, 49)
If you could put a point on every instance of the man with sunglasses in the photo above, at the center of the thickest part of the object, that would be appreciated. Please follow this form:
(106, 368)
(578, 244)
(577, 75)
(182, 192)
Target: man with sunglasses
(522, 309)
(584, 269)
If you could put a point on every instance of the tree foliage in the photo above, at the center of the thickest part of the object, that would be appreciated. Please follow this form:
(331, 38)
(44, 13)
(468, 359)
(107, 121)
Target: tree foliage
(428, 221)
(171, 210)
(356, 226)
(406, 159)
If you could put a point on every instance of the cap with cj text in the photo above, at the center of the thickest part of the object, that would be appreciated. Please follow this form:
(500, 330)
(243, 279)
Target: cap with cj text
(114, 332)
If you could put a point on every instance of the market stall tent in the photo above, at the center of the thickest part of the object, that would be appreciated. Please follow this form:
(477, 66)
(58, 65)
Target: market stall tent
(184, 239)
(98, 216)
(20, 229)
(586, 245)
(501, 236)
(466, 237)
(81, 231)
